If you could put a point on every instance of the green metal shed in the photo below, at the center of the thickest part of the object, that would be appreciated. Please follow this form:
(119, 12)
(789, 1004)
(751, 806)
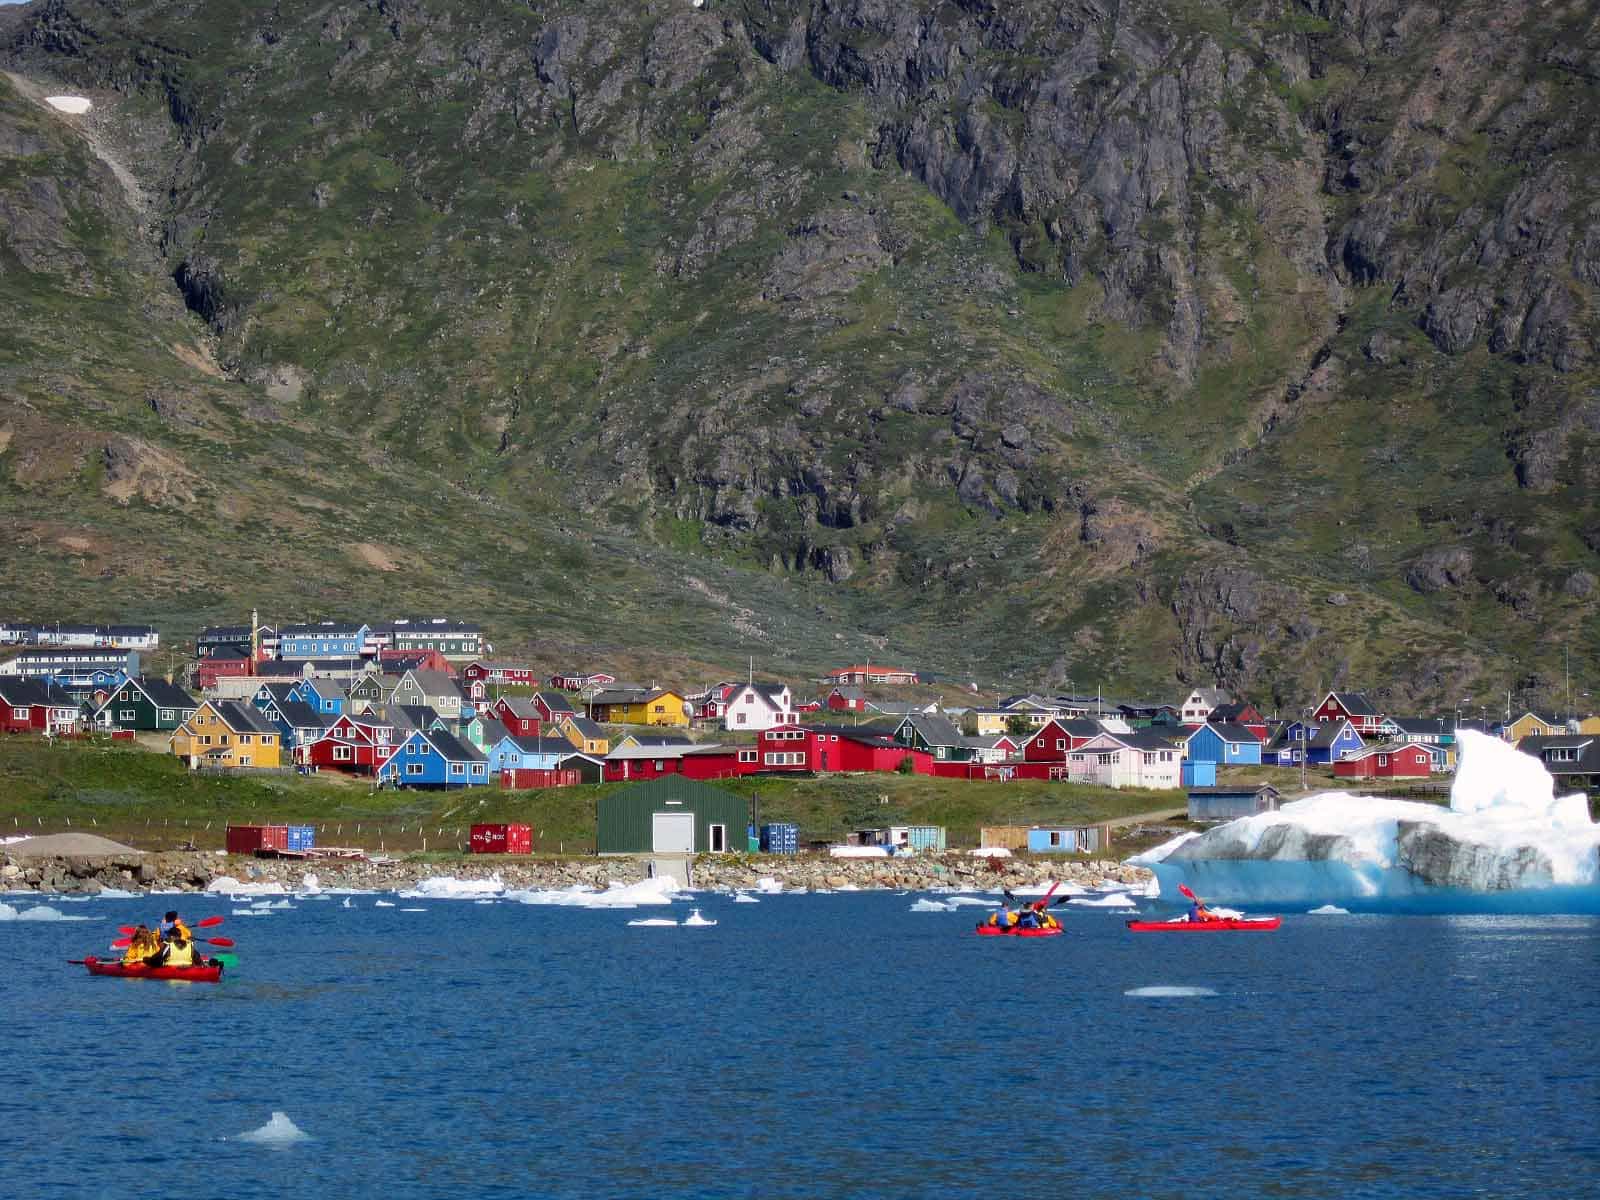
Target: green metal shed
(671, 815)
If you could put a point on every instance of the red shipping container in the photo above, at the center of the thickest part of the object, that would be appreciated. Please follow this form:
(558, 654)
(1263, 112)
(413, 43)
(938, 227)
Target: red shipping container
(488, 839)
(519, 839)
(274, 837)
(244, 839)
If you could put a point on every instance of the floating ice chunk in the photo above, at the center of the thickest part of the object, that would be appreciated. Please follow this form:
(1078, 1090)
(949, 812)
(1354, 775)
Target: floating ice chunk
(347, 903)
(931, 906)
(1159, 853)
(70, 104)
(310, 884)
(42, 912)
(413, 910)
(448, 887)
(654, 922)
(1044, 889)
(1164, 992)
(110, 893)
(1113, 900)
(484, 902)
(969, 902)
(1328, 910)
(383, 904)
(768, 886)
(695, 919)
(278, 1134)
(227, 885)
(744, 898)
(251, 912)
(660, 890)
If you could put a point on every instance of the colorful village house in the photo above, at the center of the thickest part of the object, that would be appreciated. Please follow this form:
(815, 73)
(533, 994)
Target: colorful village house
(849, 698)
(325, 640)
(37, 706)
(519, 714)
(432, 758)
(639, 706)
(228, 733)
(552, 706)
(1532, 724)
(431, 689)
(489, 675)
(1230, 803)
(1240, 712)
(352, 744)
(759, 706)
(1056, 738)
(457, 641)
(585, 735)
(935, 734)
(1144, 759)
(1385, 762)
(1225, 744)
(1197, 706)
(146, 704)
(1353, 707)
(327, 697)
(1572, 758)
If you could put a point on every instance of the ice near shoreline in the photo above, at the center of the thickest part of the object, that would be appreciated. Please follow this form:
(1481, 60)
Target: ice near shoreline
(1505, 844)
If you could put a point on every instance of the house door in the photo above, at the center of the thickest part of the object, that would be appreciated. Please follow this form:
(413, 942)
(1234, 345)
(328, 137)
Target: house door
(719, 838)
(672, 832)
(824, 760)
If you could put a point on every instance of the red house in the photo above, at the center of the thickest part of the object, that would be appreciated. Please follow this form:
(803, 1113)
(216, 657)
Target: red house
(519, 715)
(498, 672)
(1240, 713)
(553, 706)
(1353, 707)
(355, 745)
(628, 763)
(208, 670)
(849, 748)
(576, 681)
(398, 662)
(35, 706)
(1057, 737)
(1385, 762)
(845, 698)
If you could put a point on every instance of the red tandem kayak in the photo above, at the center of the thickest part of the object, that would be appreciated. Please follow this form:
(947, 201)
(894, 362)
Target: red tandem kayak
(1016, 931)
(140, 971)
(1220, 925)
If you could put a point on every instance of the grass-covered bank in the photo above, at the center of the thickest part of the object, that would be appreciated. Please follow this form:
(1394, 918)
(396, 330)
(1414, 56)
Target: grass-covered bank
(151, 801)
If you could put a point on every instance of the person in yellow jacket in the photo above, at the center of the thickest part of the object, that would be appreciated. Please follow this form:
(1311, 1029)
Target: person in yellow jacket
(141, 945)
(179, 952)
(172, 924)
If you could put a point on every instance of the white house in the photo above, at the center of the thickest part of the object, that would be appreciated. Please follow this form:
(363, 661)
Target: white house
(1201, 701)
(758, 707)
(1119, 760)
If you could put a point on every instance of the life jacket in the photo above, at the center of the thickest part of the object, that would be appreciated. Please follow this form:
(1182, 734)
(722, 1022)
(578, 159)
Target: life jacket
(180, 954)
(1011, 918)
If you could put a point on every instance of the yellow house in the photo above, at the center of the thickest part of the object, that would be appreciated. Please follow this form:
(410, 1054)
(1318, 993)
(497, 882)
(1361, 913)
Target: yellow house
(641, 706)
(993, 720)
(227, 733)
(1589, 725)
(584, 734)
(1531, 724)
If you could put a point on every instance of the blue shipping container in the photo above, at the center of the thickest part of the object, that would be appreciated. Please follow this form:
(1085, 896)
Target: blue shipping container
(302, 837)
(780, 838)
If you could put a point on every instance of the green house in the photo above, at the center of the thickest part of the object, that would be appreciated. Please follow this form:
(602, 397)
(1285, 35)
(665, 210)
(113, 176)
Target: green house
(671, 815)
(145, 703)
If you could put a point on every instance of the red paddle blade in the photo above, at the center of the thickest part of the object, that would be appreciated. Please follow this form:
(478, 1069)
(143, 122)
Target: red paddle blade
(219, 941)
(125, 930)
(208, 923)
(1184, 888)
(122, 943)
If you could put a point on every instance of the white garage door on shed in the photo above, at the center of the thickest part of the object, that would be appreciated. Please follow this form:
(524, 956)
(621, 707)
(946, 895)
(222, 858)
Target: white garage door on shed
(672, 832)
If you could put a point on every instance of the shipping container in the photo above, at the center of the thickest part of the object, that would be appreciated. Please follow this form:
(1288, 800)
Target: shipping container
(780, 838)
(488, 839)
(519, 839)
(247, 839)
(301, 837)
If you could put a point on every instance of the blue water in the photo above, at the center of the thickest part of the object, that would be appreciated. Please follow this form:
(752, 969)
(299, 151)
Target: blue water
(806, 1046)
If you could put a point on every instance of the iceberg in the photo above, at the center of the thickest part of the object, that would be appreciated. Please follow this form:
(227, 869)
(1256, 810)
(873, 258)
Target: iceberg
(227, 885)
(1505, 844)
(279, 1133)
(447, 887)
(660, 890)
(931, 906)
(41, 912)
(1169, 992)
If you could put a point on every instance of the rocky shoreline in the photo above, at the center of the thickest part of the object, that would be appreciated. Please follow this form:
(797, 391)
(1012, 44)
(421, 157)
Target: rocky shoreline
(191, 871)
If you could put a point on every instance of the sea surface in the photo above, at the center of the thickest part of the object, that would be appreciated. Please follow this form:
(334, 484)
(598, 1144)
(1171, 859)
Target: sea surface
(808, 1045)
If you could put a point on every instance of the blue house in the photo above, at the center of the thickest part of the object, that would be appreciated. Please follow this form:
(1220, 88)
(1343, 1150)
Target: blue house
(1225, 744)
(518, 753)
(330, 639)
(1197, 774)
(296, 721)
(323, 695)
(1324, 743)
(1061, 839)
(431, 758)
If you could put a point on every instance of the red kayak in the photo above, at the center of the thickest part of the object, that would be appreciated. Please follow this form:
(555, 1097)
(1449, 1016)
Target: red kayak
(137, 970)
(1016, 931)
(1218, 926)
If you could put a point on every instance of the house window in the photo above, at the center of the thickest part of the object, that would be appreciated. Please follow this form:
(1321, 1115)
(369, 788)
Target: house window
(477, 768)
(341, 754)
(1061, 743)
(19, 714)
(205, 739)
(458, 768)
(1105, 760)
(414, 768)
(747, 756)
(127, 714)
(1383, 760)
(167, 714)
(244, 739)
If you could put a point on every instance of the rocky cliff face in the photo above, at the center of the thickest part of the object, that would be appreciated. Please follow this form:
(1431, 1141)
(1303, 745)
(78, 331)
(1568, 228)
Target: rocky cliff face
(1247, 343)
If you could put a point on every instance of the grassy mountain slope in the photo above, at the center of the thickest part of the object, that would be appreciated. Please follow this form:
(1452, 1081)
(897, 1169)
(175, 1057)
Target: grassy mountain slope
(1188, 342)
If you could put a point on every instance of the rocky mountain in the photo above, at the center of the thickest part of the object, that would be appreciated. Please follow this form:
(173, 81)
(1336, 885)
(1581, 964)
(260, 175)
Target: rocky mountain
(1144, 342)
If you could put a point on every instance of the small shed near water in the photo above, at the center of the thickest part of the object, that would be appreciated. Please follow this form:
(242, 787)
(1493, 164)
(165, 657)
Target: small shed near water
(671, 815)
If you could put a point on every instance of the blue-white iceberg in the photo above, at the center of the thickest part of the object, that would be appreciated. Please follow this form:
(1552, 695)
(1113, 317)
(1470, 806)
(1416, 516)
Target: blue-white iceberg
(1506, 843)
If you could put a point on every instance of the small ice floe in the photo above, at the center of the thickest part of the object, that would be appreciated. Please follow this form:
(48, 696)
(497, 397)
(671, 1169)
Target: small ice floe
(227, 885)
(77, 105)
(744, 898)
(413, 910)
(41, 912)
(483, 901)
(694, 918)
(654, 922)
(768, 886)
(447, 887)
(1328, 910)
(269, 905)
(251, 912)
(1110, 900)
(660, 890)
(347, 903)
(383, 904)
(1167, 992)
(111, 893)
(969, 902)
(931, 906)
(278, 1134)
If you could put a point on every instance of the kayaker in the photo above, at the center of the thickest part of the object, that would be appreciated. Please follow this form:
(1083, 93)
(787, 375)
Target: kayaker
(180, 951)
(171, 924)
(1029, 918)
(141, 945)
(1199, 912)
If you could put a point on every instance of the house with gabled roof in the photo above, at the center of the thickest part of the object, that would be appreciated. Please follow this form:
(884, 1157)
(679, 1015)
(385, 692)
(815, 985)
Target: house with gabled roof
(1224, 743)
(37, 706)
(638, 706)
(356, 745)
(553, 706)
(1142, 759)
(1053, 741)
(1392, 760)
(1240, 712)
(1533, 724)
(228, 733)
(519, 715)
(1573, 759)
(484, 732)
(936, 734)
(756, 707)
(434, 689)
(846, 697)
(370, 689)
(1197, 706)
(1354, 707)
(145, 703)
(432, 758)
(585, 735)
